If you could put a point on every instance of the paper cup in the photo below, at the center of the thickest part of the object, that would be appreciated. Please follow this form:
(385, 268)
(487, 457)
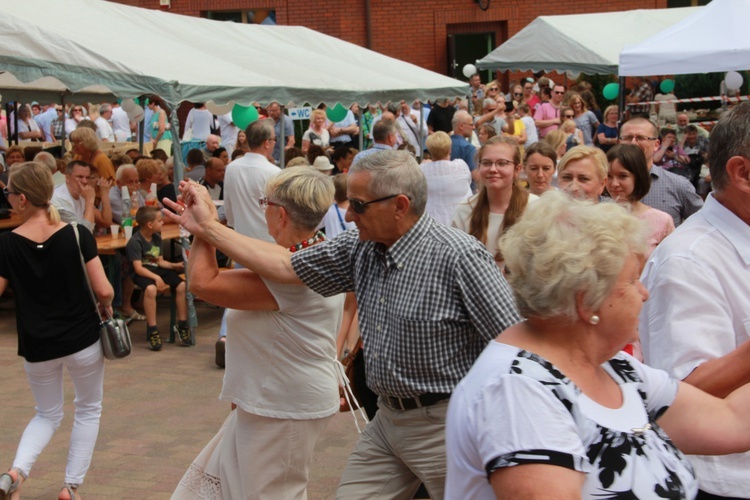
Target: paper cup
(128, 232)
(115, 230)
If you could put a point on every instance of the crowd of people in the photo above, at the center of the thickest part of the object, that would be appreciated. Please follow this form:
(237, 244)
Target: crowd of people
(489, 250)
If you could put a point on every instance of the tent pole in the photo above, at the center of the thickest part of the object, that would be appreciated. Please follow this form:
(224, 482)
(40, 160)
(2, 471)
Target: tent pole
(141, 125)
(62, 136)
(15, 122)
(360, 116)
(282, 141)
(420, 138)
(179, 167)
(621, 103)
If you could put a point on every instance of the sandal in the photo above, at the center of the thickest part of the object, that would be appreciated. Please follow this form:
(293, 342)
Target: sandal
(134, 316)
(7, 485)
(71, 489)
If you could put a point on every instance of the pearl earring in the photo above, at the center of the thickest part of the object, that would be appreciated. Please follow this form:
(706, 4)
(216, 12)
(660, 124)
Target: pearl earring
(594, 319)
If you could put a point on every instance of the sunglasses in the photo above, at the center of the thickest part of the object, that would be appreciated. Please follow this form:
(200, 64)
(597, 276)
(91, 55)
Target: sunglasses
(492, 89)
(517, 94)
(557, 92)
(360, 207)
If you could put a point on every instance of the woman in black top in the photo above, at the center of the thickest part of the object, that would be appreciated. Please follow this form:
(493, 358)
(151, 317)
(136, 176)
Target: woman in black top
(56, 321)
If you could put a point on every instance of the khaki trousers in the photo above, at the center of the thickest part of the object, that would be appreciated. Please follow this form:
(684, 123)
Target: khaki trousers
(396, 452)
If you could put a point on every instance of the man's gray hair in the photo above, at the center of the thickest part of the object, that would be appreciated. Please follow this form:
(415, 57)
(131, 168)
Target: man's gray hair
(730, 137)
(259, 132)
(125, 167)
(488, 102)
(394, 172)
(47, 160)
(383, 129)
(458, 117)
(105, 107)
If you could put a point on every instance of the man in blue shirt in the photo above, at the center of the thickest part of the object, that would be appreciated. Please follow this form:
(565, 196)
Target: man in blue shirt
(463, 126)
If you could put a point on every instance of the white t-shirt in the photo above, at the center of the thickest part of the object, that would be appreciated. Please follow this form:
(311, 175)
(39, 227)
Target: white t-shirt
(531, 134)
(321, 140)
(448, 184)
(281, 364)
(228, 133)
(200, 121)
(71, 210)
(244, 184)
(332, 221)
(462, 217)
(121, 125)
(515, 407)
(698, 279)
(104, 130)
(23, 127)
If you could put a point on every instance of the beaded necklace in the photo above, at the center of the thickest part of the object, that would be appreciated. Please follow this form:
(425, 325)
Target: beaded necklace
(319, 236)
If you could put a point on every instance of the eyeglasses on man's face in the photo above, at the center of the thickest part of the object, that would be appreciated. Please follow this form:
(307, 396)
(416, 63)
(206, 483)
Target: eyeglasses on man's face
(636, 138)
(360, 207)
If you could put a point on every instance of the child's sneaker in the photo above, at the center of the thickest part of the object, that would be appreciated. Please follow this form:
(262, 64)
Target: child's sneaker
(154, 340)
(183, 334)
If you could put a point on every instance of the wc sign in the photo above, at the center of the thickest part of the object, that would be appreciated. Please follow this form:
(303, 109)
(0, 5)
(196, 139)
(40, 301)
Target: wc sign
(300, 113)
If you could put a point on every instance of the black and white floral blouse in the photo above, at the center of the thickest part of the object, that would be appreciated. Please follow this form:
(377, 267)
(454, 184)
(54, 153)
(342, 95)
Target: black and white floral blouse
(514, 407)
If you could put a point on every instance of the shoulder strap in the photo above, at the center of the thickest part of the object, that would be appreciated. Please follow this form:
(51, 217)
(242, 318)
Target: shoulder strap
(85, 272)
(338, 212)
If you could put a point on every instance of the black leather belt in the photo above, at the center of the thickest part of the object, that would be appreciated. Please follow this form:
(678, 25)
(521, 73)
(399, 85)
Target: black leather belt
(420, 401)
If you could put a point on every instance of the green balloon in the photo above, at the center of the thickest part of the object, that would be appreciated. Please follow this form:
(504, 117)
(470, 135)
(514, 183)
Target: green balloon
(610, 91)
(242, 116)
(336, 113)
(667, 86)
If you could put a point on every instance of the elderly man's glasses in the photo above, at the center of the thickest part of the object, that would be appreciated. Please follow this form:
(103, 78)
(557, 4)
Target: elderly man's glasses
(637, 138)
(265, 202)
(360, 207)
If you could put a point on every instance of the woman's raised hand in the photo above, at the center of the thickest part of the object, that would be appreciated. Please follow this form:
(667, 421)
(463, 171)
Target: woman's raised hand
(194, 208)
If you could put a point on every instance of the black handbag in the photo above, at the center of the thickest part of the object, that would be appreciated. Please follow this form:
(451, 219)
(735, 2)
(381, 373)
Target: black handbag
(114, 333)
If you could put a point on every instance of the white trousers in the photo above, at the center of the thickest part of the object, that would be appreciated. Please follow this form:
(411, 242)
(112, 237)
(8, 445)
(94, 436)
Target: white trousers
(86, 369)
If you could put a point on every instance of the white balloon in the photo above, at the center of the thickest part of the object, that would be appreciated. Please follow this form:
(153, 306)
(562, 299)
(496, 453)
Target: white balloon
(733, 80)
(219, 109)
(128, 105)
(136, 114)
(469, 70)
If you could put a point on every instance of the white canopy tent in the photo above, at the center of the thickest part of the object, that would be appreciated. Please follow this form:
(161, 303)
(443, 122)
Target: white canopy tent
(48, 89)
(713, 39)
(132, 51)
(580, 43)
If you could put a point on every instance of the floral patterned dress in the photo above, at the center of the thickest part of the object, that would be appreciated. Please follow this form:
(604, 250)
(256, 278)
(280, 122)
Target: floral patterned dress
(514, 407)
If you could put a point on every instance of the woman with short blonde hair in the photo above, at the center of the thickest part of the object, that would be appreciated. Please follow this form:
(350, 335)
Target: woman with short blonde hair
(448, 181)
(580, 419)
(281, 356)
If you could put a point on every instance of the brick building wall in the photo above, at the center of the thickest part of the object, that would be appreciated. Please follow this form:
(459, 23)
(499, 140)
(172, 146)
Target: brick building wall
(415, 31)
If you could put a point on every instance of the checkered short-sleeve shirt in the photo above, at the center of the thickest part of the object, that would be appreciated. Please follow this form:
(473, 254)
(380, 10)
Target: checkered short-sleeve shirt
(428, 304)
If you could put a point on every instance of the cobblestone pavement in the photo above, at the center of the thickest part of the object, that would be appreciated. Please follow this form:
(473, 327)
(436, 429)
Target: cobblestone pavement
(160, 409)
